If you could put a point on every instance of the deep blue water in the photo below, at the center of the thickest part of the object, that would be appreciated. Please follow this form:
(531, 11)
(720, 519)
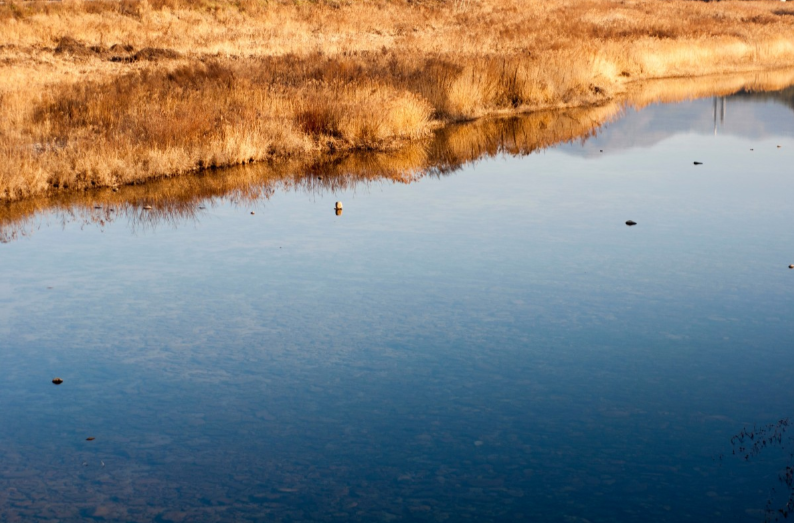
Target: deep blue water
(492, 345)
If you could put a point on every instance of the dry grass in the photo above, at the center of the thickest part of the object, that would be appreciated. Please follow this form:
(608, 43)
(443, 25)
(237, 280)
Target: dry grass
(178, 200)
(107, 93)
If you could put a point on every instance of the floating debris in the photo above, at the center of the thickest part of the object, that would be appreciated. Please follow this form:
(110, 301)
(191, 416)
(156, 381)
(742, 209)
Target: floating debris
(92, 438)
(631, 223)
(57, 381)
(698, 163)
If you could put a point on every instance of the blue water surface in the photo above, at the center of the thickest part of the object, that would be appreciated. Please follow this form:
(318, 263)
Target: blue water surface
(491, 345)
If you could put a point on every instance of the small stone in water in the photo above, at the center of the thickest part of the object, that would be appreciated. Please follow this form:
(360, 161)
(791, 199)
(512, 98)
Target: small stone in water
(252, 212)
(57, 381)
(791, 266)
(631, 222)
(90, 439)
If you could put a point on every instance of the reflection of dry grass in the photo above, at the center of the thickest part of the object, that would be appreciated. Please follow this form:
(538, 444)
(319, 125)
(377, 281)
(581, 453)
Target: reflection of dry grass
(180, 199)
(107, 93)
(679, 89)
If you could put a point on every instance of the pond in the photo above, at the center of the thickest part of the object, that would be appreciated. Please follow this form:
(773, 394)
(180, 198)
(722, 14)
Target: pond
(490, 342)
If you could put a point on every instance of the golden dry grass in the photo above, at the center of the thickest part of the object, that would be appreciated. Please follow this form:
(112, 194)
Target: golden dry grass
(180, 199)
(107, 93)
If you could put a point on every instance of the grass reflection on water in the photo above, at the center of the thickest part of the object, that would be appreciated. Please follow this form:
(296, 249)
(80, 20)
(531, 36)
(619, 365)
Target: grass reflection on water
(180, 200)
(553, 372)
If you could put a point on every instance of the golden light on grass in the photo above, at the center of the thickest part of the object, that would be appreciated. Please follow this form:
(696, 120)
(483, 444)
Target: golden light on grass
(109, 93)
(180, 199)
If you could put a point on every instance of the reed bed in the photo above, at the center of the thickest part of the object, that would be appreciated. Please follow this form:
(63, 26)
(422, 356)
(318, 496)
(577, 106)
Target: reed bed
(181, 199)
(111, 93)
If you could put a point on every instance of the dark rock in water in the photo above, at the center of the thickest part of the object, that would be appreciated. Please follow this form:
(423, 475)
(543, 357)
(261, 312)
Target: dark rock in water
(791, 266)
(252, 212)
(90, 439)
(601, 150)
(57, 381)
(631, 222)
(698, 163)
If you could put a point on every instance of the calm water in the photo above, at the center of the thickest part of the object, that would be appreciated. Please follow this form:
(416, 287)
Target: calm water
(489, 345)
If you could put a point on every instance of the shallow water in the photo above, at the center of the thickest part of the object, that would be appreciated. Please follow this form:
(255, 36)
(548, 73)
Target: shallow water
(491, 344)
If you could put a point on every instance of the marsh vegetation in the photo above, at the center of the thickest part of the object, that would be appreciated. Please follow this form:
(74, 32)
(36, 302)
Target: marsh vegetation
(107, 93)
(176, 200)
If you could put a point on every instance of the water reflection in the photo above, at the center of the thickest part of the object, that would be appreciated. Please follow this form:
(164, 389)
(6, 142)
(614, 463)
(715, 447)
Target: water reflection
(636, 124)
(504, 348)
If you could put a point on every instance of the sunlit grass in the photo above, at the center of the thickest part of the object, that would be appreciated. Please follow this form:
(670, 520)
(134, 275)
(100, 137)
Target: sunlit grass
(109, 93)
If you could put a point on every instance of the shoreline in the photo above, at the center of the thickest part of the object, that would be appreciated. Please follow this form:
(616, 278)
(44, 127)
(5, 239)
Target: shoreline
(99, 95)
(179, 198)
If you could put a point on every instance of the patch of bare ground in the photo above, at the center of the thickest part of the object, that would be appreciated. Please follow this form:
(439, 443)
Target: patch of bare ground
(108, 93)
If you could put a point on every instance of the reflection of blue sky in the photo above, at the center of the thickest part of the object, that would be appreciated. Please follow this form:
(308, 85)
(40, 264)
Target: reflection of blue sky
(492, 343)
(749, 116)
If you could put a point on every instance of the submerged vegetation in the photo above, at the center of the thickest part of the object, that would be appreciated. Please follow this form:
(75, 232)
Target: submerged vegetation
(108, 93)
